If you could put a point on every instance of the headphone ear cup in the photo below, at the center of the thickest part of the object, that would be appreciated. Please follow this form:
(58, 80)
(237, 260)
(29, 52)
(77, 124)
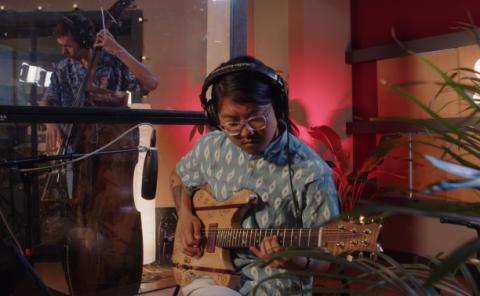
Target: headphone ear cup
(211, 114)
(86, 37)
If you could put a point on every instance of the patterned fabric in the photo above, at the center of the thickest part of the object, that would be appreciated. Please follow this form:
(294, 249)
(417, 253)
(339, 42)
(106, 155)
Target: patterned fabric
(226, 168)
(69, 74)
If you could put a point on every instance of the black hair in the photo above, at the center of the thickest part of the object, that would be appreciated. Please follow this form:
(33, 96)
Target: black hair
(251, 86)
(79, 27)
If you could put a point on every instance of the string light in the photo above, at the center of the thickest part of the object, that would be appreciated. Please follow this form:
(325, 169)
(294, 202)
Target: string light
(144, 58)
(75, 6)
(140, 19)
(2, 7)
(39, 8)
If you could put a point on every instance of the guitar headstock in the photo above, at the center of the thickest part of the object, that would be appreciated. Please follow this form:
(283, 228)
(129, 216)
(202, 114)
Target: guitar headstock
(346, 237)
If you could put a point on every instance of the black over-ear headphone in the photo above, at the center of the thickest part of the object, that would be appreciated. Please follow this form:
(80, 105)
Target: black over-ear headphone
(280, 104)
(81, 29)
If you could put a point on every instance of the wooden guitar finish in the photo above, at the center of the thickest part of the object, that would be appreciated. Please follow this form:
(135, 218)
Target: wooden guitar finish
(221, 232)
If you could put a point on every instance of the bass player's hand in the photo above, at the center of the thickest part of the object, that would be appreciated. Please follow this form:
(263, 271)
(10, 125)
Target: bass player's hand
(53, 138)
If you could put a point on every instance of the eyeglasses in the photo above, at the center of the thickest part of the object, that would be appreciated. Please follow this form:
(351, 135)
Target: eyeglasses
(254, 123)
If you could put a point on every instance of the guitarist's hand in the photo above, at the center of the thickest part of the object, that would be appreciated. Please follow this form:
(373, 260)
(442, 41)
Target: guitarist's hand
(270, 246)
(191, 238)
(267, 248)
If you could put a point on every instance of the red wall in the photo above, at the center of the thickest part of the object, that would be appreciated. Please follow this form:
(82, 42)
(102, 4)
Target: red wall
(372, 22)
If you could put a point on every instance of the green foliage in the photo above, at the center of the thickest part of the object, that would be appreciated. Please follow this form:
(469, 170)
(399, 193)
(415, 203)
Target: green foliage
(351, 184)
(459, 142)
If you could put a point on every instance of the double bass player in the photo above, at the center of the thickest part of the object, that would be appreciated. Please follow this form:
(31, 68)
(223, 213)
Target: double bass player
(103, 249)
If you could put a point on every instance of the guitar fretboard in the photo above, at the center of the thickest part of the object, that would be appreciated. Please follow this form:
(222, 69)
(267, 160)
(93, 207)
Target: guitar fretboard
(244, 238)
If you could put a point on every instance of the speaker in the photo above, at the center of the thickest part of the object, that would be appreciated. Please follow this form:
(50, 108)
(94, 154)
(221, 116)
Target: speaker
(244, 64)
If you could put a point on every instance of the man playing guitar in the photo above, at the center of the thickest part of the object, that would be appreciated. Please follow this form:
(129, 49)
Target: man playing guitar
(254, 148)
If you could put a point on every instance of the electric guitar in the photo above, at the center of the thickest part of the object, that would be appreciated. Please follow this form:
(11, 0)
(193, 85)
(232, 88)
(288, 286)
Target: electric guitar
(221, 231)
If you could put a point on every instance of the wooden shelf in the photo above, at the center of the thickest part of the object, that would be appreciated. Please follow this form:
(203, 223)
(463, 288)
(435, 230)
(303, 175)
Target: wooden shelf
(385, 127)
(439, 42)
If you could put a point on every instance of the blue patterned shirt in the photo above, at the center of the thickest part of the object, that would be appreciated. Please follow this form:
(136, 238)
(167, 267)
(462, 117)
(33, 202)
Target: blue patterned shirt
(226, 168)
(69, 74)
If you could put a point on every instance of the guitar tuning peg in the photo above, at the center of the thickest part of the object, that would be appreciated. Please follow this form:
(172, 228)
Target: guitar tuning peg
(360, 255)
(349, 258)
(361, 220)
(373, 256)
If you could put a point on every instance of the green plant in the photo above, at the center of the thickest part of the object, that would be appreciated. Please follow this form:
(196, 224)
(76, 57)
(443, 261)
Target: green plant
(351, 184)
(459, 143)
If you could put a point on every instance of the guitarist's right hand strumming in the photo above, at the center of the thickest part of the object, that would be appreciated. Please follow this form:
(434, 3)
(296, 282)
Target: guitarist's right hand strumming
(188, 225)
(190, 233)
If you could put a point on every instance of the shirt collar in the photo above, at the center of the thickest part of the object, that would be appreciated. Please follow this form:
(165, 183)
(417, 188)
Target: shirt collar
(276, 151)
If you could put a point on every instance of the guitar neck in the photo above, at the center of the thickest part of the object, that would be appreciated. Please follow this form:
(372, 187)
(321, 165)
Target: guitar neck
(290, 238)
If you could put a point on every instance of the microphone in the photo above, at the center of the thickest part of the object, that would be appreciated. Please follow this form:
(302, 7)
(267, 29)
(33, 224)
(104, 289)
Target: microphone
(150, 169)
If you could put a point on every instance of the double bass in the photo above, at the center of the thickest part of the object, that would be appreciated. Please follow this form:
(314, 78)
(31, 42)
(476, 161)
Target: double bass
(103, 248)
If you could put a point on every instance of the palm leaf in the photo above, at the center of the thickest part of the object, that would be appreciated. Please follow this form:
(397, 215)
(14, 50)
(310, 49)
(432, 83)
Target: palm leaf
(453, 261)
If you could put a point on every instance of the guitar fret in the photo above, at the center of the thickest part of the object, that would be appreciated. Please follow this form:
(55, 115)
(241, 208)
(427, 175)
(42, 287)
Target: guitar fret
(319, 244)
(241, 236)
(300, 238)
(242, 243)
(219, 237)
(225, 237)
(309, 233)
(234, 237)
(291, 237)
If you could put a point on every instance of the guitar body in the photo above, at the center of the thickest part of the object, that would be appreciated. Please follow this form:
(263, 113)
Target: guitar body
(215, 262)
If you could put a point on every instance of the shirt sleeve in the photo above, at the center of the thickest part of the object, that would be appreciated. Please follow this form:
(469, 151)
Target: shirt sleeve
(321, 202)
(130, 81)
(52, 94)
(190, 168)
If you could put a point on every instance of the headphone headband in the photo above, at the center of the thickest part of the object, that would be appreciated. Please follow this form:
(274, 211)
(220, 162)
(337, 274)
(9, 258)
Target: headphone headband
(218, 73)
(81, 29)
(259, 68)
